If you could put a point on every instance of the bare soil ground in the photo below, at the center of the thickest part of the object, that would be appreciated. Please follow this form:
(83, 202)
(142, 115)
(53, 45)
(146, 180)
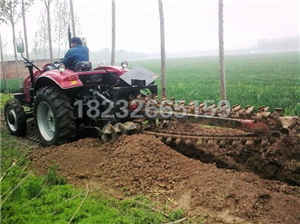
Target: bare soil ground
(143, 164)
(10, 67)
(279, 161)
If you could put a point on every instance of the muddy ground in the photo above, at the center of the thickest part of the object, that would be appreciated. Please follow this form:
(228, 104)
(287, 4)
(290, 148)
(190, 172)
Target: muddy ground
(143, 164)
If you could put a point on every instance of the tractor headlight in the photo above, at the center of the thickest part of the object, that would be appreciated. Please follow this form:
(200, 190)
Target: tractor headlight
(61, 67)
(124, 64)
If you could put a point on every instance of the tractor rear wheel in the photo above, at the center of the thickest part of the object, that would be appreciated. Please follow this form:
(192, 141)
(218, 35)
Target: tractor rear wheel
(15, 117)
(54, 117)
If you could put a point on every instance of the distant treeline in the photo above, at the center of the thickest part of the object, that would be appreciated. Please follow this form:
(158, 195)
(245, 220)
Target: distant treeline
(286, 43)
(102, 55)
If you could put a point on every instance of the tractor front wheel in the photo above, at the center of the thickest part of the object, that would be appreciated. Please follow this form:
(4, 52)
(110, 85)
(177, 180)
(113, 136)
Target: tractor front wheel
(54, 117)
(15, 117)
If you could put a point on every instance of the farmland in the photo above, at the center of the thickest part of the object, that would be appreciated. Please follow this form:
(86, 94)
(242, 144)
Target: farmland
(256, 79)
(27, 198)
(264, 79)
(143, 179)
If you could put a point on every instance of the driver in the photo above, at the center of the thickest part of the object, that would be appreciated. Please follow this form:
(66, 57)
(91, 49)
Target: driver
(75, 54)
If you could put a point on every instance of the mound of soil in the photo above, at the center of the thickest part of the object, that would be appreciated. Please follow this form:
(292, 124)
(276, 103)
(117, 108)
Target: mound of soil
(204, 129)
(279, 161)
(143, 164)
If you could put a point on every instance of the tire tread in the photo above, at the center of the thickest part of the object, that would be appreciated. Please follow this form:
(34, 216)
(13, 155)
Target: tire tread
(21, 117)
(65, 115)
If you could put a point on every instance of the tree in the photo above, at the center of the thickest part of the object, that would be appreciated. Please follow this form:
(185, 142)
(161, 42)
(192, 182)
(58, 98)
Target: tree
(113, 33)
(36, 48)
(3, 20)
(3, 66)
(162, 49)
(43, 32)
(62, 16)
(25, 7)
(78, 26)
(2, 12)
(72, 18)
(10, 13)
(221, 52)
(48, 4)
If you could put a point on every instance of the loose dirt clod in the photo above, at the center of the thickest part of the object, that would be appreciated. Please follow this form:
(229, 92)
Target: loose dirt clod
(143, 164)
(279, 161)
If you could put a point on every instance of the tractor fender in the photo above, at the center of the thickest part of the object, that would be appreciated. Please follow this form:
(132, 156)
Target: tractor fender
(63, 81)
(114, 69)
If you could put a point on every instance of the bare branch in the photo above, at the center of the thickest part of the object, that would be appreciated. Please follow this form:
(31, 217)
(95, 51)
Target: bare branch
(87, 191)
(12, 165)
(43, 188)
(153, 209)
(177, 221)
(21, 182)
(69, 199)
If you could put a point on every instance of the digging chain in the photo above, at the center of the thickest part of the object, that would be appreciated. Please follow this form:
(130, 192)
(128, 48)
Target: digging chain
(163, 128)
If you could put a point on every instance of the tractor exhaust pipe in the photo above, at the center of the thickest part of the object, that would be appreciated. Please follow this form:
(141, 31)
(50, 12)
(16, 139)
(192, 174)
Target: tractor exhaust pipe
(69, 36)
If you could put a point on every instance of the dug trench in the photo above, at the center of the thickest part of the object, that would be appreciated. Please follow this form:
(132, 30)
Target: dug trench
(279, 161)
(143, 164)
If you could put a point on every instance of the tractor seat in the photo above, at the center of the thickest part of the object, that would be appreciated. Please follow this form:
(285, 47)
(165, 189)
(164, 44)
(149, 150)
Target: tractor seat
(83, 66)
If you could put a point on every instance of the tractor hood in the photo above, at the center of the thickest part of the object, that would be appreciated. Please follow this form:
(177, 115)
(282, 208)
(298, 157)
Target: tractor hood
(138, 76)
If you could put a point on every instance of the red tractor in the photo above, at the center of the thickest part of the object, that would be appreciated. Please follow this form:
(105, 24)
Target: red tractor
(63, 101)
(111, 100)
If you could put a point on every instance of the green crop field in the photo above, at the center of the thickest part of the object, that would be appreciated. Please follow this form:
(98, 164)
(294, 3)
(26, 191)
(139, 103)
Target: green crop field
(13, 86)
(256, 79)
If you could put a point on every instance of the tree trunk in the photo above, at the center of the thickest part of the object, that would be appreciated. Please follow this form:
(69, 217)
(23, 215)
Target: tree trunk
(162, 49)
(3, 67)
(221, 52)
(15, 53)
(66, 45)
(49, 28)
(73, 18)
(59, 28)
(25, 30)
(45, 47)
(58, 50)
(113, 33)
(45, 55)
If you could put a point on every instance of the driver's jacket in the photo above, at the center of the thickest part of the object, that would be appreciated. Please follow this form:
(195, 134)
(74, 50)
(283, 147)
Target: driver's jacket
(74, 55)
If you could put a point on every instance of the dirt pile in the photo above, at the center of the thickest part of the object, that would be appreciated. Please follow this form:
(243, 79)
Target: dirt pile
(147, 163)
(143, 164)
(140, 163)
(280, 161)
(203, 129)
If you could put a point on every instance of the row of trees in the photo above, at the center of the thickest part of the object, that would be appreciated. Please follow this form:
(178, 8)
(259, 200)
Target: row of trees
(96, 56)
(64, 14)
(11, 11)
(163, 52)
(286, 43)
(162, 39)
(43, 37)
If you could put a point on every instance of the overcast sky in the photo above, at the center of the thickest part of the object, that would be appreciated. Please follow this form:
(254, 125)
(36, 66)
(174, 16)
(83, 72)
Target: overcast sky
(190, 25)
